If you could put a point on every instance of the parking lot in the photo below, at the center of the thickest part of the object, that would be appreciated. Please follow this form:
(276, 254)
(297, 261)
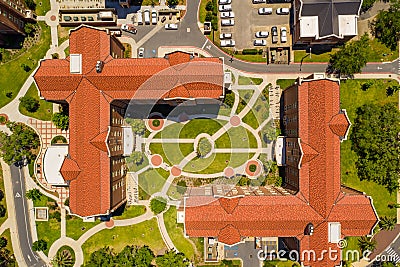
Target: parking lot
(248, 22)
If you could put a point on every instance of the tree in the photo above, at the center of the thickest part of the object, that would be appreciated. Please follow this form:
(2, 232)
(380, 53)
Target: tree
(181, 187)
(30, 4)
(136, 157)
(209, 6)
(102, 257)
(171, 3)
(3, 242)
(29, 103)
(365, 86)
(392, 89)
(365, 243)
(209, 16)
(1, 195)
(171, 258)
(63, 258)
(135, 256)
(204, 147)
(60, 120)
(6, 257)
(2, 211)
(55, 215)
(40, 245)
(386, 26)
(20, 145)
(34, 194)
(138, 126)
(367, 4)
(9, 94)
(375, 140)
(229, 99)
(25, 67)
(351, 58)
(387, 223)
(29, 28)
(158, 205)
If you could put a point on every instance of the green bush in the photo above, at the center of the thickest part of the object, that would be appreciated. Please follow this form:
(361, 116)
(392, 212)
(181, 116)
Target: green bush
(209, 6)
(229, 99)
(29, 103)
(251, 51)
(2, 119)
(55, 215)
(156, 123)
(209, 16)
(214, 23)
(39, 245)
(60, 120)
(158, 205)
(252, 167)
(34, 194)
(58, 139)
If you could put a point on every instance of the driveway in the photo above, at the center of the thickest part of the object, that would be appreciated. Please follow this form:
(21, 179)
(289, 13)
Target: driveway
(245, 251)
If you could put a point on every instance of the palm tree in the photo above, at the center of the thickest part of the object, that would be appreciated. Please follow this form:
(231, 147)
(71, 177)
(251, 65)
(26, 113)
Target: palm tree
(365, 243)
(63, 259)
(387, 223)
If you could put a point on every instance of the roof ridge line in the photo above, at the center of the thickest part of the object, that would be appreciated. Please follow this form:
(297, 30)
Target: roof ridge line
(74, 91)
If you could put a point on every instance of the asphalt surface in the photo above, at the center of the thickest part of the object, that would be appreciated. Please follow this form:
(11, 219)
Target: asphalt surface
(189, 34)
(31, 258)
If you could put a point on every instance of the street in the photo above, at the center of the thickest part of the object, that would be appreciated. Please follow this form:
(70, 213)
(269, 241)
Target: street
(22, 218)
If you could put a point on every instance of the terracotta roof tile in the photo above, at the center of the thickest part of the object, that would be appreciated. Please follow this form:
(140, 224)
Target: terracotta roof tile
(69, 169)
(308, 153)
(100, 141)
(229, 235)
(339, 124)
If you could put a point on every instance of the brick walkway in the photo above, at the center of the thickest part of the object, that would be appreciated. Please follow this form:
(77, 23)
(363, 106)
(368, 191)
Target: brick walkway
(47, 131)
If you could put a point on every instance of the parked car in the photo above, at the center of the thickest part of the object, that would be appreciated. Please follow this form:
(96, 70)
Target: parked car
(259, 42)
(127, 28)
(262, 34)
(227, 15)
(225, 36)
(227, 22)
(139, 17)
(141, 52)
(283, 35)
(154, 16)
(274, 33)
(171, 26)
(224, 2)
(222, 8)
(265, 11)
(259, 1)
(147, 16)
(228, 42)
(282, 11)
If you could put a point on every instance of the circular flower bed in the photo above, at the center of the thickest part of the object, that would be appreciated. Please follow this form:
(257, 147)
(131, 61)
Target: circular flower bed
(252, 167)
(204, 147)
(3, 119)
(156, 123)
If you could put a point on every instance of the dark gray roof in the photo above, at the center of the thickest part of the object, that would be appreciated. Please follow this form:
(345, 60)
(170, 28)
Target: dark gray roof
(328, 12)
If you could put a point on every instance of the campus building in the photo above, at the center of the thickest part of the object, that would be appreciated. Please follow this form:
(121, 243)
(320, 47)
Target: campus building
(325, 21)
(13, 16)
(98, 84)
(313, 211)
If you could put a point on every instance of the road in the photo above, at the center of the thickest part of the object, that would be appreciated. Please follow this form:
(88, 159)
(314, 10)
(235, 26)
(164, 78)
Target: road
(22, 218)
(189, 34)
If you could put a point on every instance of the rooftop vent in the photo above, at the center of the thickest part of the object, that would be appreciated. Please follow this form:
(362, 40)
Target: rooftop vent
(99, 66)
(75, 63)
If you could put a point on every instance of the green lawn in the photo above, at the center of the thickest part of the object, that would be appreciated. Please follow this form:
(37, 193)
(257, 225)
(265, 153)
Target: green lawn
(77, 227)
(133, 167)
(251, 120)
(352, 97)
(3, 201)
(244, 80)
(285, 83)
(145, 233)
(13, 76)
(172, 153)
(236, 137)
(45, 108)
(202, 10)
(49, 231)
(258, 113)
(352, 244)
(251, 58)
(7, 235)
(191, 129)
(42, 7)
(175, 232)
(324, 57)
(216, 162)
(244, 98)
(151, 181)
(131, 212)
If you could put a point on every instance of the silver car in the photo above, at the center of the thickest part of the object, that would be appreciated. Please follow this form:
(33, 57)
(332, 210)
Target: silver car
(222, 8)
(227, 22)
(141, 52)
(225, 36)
(260, 42)
(227, 15)
(262, 34)
(228, 42)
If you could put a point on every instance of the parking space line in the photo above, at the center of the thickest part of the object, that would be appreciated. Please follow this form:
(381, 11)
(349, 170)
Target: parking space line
(204, 44)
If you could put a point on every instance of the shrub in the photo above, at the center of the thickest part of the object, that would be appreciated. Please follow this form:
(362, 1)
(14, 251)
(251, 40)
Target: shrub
(209, 6)
(138, 126)
(136, 157)
(1, 195)
(3, 242)
(172, 2)
(60, 120)
(66, 202)
(214, 23)
(2, 211)
(209, 16)
(252, 167)
(156, 123)
(25, 67)
(158, 205)
(229, 99)
(2, 119)
(39, 245)
(251, 51)
(181, 187)
(9, 94)
(30, 4)
(34, 194)
(204, 147)
(29, 103)
(55, 215)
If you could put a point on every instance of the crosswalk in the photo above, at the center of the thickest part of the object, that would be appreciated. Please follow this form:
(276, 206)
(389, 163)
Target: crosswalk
(393, 256)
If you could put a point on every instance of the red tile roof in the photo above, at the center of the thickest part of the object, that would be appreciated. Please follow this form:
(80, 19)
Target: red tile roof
(319, 200)
(89, 95)
(69, 169)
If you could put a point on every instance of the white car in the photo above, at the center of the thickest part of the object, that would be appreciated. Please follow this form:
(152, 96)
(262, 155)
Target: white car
(141, 52)
(224, 2)
(227, 15)
(227, 22)
(265, 11)
(171, 26)
(283, 35)
(262, 34)
(222, 8)
(228, 42)
(282, 11)
(260, 42)
(154, 16)
(147, 16)
(225, 36)
(259, 1)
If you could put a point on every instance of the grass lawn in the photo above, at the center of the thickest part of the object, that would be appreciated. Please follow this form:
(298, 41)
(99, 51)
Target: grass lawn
(131, 212)
(251, 58)
(63, 33)
(285, 83)
(324, 57)
(7, 235)
(175, 232)
(49, 231)
(258, 114)
(251, 120)
(151, 181)
(244, 98)
(3, 201)
(145, 233)
(224, 263)
(42, 7)
(191, 129)
(172, 153)
(45, 108)
(133, 167)
(216, 162)
(202, 10)
(236, 137)
(13, 76)
(173, 192)
(351, 97)
(243, 80)
(352, 244)
(77, 227)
